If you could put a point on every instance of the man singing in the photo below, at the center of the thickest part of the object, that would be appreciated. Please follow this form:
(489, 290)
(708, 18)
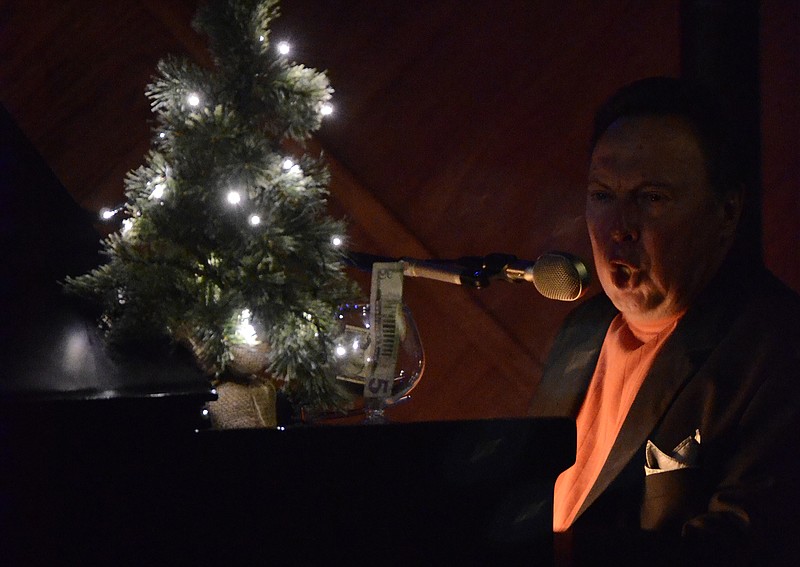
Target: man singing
(684, 375)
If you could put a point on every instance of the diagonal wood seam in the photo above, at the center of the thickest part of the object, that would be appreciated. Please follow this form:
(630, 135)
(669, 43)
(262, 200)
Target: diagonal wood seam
(395, 239)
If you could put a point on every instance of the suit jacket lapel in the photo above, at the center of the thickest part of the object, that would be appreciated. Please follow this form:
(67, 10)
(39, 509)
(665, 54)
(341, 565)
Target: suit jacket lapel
(678, 361)
(572, 360)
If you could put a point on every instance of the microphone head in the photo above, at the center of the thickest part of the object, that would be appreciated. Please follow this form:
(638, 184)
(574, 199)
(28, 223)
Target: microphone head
(560, 276)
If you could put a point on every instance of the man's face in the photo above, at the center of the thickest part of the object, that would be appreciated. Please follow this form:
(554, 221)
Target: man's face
(658, 233)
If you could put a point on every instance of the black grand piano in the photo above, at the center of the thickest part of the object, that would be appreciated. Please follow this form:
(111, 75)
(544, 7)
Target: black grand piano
(106, 459)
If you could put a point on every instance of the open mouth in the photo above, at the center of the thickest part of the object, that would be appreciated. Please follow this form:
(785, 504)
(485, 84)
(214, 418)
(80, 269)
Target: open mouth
(623, 275)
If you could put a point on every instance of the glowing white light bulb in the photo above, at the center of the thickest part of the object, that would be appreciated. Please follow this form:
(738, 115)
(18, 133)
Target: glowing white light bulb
(162, 135)
(255, 220)
(326, 109)
(261, 38)
(341, 351)
(245, 330)
(295, 170)
(248, 334)
(356, 344)
(287, 164)
(106, 214)
(193, 99)
(158, 191)
(127, 225)
(284, 48)
(234, 197)
(336, 240)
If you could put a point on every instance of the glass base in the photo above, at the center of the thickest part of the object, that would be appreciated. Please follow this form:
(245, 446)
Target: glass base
(376, 416)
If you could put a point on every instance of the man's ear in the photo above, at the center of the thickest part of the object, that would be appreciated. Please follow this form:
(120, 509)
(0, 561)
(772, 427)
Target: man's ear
(732, 205)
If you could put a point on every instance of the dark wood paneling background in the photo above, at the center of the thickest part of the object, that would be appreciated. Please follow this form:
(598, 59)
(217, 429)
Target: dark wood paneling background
(460, 129)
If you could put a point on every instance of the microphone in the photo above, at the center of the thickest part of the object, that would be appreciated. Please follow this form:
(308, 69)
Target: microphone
(556, 275)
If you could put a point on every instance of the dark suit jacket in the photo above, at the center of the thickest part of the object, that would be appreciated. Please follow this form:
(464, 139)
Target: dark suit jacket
(732, 370)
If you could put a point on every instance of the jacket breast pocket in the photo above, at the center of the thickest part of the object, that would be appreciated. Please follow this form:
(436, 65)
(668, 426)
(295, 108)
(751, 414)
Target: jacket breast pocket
(671, 498)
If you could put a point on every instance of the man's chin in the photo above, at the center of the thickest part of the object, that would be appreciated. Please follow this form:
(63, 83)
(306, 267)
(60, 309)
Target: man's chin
(634, 304)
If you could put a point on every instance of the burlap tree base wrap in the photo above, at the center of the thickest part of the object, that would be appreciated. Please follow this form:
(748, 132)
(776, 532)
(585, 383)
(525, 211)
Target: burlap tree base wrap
(245, 404)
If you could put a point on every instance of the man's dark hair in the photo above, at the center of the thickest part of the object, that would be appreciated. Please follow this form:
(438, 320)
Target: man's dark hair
(666, 96)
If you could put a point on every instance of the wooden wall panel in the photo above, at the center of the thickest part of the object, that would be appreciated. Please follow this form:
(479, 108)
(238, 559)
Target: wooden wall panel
(474, 138)
(73, 75)
(780, 125)
(460, 129)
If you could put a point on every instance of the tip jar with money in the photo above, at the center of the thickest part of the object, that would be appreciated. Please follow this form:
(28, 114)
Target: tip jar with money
(379, 356)
(377, 367)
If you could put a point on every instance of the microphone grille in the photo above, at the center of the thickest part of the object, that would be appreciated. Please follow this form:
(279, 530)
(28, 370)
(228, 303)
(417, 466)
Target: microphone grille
(560, 276)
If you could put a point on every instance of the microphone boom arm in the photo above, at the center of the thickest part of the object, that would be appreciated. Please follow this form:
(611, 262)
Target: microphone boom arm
(556, 275)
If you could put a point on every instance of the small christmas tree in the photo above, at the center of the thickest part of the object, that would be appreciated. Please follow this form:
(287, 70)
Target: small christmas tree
(226, 244)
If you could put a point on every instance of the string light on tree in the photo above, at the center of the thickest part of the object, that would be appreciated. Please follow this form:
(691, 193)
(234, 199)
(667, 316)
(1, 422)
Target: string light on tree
(127, 225)
(158, 190)
(326, 109)
(245, 331)
(284, 48)
(255, 220)
(234, 197)
(193, 99)
(107, 214)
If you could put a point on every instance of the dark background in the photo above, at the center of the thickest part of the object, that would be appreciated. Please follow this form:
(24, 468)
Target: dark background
(460, 129)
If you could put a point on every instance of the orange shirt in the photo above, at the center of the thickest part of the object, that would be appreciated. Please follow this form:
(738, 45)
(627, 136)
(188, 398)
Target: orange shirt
(625, 358)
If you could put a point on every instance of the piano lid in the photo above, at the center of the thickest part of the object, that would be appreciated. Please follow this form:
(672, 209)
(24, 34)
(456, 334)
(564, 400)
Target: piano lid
(50, 345)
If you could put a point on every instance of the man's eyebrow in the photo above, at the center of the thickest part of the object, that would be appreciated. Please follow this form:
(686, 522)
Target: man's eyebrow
(641, 185)
(597, 181)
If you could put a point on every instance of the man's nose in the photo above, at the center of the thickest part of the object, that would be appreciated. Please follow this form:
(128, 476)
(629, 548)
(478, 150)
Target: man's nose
(625, 225)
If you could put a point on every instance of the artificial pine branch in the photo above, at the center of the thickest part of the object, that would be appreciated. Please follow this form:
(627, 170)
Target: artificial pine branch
(190, 258)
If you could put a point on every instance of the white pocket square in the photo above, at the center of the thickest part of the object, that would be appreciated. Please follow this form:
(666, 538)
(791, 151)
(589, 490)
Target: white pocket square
(684, 456)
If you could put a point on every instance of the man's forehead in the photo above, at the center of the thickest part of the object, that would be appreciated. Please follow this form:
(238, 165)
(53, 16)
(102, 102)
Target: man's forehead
(648, 145)
(667, 131)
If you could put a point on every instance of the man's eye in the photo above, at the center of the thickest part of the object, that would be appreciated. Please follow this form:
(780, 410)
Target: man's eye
(653, 197)
(599, 196)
